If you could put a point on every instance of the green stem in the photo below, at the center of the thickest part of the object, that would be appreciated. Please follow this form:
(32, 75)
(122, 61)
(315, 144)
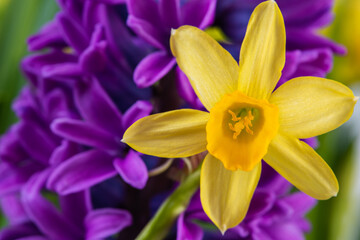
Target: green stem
(173, 206)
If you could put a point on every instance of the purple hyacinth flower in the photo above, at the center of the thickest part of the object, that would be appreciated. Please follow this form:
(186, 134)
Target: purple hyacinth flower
(97, 43)
(152, 20)
(76, 220)
(273, 214)
(91, 30)
(29, 146)
(102, 129)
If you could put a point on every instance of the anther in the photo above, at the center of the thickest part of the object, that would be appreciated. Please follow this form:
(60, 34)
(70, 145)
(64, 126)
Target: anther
(241, 123)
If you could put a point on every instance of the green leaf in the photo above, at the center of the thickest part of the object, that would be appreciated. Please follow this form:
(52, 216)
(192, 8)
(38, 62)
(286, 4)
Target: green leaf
(18, 20)
(173, 206)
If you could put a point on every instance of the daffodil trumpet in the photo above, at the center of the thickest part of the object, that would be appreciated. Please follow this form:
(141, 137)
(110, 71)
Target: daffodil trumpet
(247, 120)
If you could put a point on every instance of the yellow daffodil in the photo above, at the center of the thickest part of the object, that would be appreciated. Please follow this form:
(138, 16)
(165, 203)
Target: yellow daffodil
(247, 121)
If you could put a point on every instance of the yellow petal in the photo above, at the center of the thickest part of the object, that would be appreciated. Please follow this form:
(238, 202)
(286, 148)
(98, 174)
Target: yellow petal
(311, 106)
(262, 55)
(179, 133)
(226, 195)
(302, 166)
(212, 71)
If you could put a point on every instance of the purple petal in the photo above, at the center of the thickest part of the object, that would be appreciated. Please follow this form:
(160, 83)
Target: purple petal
(49, 36)
(61, 70)
(271, 180)
(81, 172)
(36, 142)
(72, 9)
(93, 59)
(13, 209)
(25, 106)
(132, 169)
(146, 10)
(105, 222)
(34, 64)
(122, 45)
(18, 231)
(139, 110)
(195, 203)
(187, 230)
(291, 64)
(76, 206)
(152, 68)
(243, 231)
(303, 224)
(56, 104)
(278, 212)
(84, 133)
(261, 235)
(64, 151)
(312, 142)
(148, 32)
(46, 217)
(97, 108)
(10, 149)
(91, 15)
(314, 62)
(194, 209)
(261, 202)
(199, 13)
(200, 215)
(14, 177)
(73, 33)
(300, 203)
(170, 13)
(285, 231)
(306, 40)
(307, 14)
(185, 89)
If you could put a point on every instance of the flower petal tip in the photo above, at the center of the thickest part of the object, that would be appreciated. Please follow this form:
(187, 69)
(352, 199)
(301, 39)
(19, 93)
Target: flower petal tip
(223, 230)
(122, 140)
(173, 31)
(356, 98)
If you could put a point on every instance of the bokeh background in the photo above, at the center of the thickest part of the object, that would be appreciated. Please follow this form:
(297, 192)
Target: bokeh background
(335, 219)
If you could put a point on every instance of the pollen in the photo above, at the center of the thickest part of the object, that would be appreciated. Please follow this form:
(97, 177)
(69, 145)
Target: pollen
(240, 123)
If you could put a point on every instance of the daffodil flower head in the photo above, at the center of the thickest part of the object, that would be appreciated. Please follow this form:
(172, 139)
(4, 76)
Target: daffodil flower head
(247, 120)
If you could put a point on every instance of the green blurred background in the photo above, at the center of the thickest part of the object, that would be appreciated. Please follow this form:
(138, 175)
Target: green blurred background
(334, 219)
(18, 20)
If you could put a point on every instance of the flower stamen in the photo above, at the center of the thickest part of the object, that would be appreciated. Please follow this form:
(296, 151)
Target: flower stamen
(241, 123)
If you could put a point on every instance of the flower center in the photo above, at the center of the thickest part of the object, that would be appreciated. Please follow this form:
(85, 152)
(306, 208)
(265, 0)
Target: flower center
(240, 123)
(240, 129)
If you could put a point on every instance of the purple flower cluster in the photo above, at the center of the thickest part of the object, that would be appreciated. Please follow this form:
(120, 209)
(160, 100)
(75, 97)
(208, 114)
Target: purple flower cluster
(101, 65)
